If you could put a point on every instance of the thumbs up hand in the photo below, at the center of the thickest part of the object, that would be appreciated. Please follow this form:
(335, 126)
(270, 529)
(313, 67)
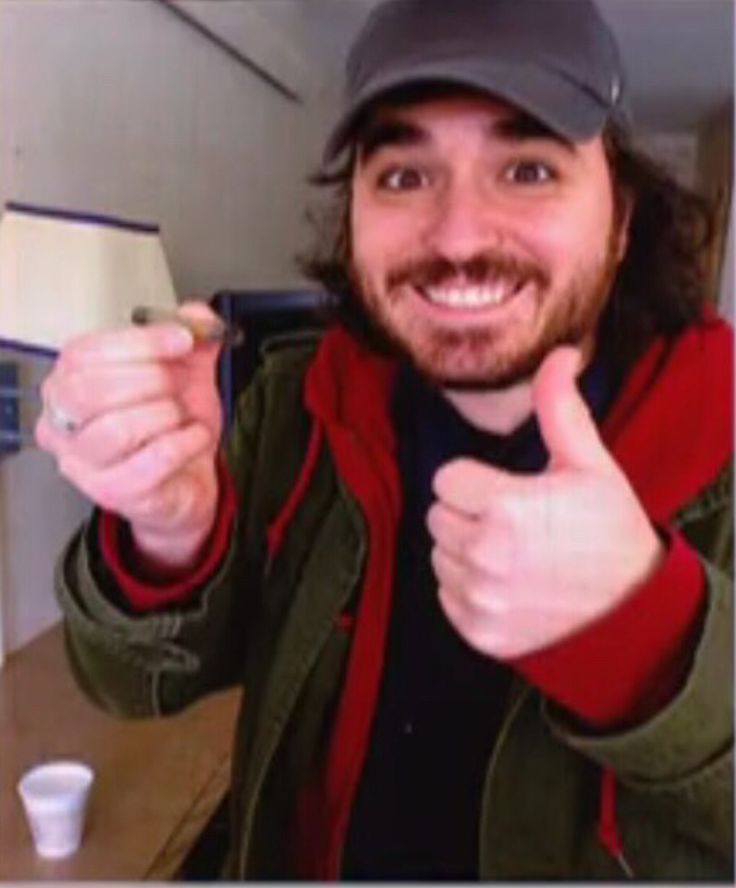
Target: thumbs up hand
(523, 561)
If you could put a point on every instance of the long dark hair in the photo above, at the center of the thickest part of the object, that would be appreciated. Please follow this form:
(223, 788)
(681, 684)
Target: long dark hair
(661, 285)
(663, 280)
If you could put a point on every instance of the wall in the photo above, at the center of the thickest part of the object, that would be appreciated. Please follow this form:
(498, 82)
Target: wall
(118, 107)
(715, 170)
(703, 160)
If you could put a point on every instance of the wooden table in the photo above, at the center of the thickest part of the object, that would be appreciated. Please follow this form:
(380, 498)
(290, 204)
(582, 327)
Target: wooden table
(156, 784)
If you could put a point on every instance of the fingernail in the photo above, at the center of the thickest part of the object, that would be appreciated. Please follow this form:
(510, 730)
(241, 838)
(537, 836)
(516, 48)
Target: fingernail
(179, 338)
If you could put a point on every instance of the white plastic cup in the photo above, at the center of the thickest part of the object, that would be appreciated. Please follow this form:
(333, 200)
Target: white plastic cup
(55, 798)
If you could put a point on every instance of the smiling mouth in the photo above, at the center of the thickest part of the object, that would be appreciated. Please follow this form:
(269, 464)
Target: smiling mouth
(473, 296)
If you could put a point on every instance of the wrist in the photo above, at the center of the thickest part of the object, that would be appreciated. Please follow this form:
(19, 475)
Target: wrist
(622, 668)
(170, 545)
(151, 584)
(164, 554)
(654, 548)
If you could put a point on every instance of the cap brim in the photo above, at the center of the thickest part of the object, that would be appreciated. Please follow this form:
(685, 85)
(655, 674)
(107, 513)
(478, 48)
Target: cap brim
(545, 94)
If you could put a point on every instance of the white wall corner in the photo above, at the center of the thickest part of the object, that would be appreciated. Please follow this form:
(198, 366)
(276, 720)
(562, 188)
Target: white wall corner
(250, 30)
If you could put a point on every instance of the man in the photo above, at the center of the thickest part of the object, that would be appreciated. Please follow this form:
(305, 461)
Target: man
(467, 554)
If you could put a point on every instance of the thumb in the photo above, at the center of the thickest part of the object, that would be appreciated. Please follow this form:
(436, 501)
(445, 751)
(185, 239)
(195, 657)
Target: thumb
(564, 420)
(207, 350)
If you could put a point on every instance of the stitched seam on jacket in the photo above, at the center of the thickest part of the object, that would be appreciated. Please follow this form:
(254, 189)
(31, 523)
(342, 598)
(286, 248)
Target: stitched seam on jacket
(713, 499)
(714, 770)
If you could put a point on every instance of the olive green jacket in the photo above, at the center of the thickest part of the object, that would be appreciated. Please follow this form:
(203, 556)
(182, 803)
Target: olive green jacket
(273, 627)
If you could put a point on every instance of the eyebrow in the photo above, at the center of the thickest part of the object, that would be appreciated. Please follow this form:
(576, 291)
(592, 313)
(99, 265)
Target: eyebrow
(389, 133)
(521, 127)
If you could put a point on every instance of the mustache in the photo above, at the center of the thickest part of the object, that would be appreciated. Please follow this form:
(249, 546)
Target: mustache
(431, 271)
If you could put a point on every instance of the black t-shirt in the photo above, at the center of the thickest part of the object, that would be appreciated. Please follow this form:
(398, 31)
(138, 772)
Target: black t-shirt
(440, 705)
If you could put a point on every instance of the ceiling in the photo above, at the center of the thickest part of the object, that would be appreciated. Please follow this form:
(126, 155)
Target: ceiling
(679, 54)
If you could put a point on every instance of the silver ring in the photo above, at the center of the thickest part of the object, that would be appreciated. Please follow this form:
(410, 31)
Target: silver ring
(60, 419)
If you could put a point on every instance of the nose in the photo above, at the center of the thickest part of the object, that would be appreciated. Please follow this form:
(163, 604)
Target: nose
(464, 222)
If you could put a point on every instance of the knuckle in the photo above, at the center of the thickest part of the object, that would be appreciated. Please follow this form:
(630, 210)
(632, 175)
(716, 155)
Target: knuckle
(506, 509)
(77, 389)
(476, 595)
(114, 435)
(159, 379)
(512, 644)
(157, 461)
(76, 348)
(72, 354)
(111, 495)
(166, 453)
(449, 603)
(150, 505)
(469, 630)
(169, 416)
(477, 551)
(41, 435)
(64, 359)
(497, 645)
(149, 423)
(437, 560)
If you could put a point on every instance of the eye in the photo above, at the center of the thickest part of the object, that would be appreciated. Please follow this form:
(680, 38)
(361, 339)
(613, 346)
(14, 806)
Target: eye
(530, 172)
(403, 179)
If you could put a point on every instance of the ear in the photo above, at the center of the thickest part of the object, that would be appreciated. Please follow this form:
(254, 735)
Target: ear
(624, 210)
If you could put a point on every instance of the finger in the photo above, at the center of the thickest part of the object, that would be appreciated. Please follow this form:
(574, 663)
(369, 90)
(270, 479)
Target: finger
(201, 313)
(46, 437)
(198, 368)
(485, 634)
(470, 487)
(448, 569)
(118, 487)
(450, 529)
(199, 310)
(115, 435)
(481, 593)
(85, 393)
(565, 422)
(127, 345)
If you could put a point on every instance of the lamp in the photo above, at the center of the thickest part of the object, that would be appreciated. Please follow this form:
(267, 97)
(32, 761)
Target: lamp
(64, 273)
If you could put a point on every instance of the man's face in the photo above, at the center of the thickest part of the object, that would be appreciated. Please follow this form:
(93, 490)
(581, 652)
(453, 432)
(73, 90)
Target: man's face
(479, 239)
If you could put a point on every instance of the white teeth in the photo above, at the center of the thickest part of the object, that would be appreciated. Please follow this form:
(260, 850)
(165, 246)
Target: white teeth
(471, 297)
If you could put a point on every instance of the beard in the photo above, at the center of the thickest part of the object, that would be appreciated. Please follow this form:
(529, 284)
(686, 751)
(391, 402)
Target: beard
(493, 356)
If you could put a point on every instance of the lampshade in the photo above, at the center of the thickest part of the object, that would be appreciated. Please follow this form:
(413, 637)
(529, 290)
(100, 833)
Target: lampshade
(64, 273)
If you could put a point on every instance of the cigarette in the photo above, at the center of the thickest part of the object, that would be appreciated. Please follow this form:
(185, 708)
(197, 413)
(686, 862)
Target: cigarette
(203, 330)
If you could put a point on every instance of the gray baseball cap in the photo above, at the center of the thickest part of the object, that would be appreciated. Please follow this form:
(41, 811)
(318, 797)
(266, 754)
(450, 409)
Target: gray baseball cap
(557, 60)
